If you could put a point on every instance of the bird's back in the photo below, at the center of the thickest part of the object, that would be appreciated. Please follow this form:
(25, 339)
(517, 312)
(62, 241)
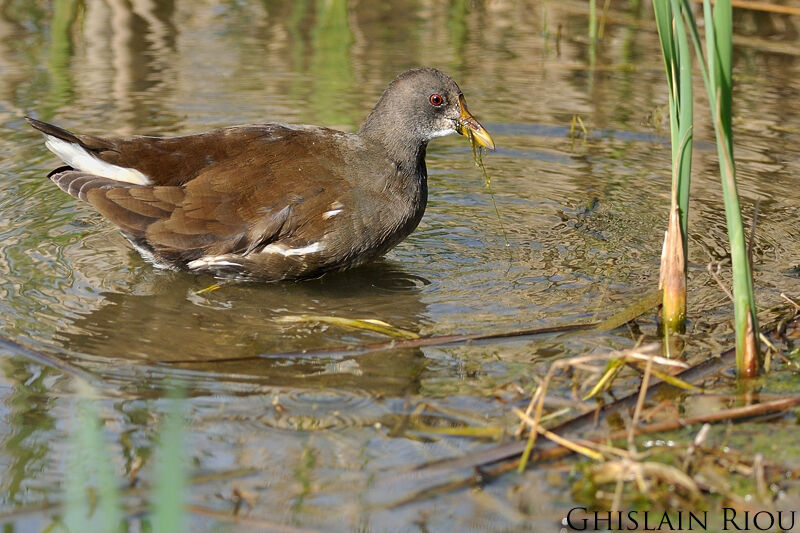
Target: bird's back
(267, 200)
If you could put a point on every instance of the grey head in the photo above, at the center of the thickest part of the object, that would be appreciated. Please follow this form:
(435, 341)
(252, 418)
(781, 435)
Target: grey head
(419, 105)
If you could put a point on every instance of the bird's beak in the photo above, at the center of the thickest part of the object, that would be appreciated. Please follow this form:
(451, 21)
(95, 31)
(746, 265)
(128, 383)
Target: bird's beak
(468, 126)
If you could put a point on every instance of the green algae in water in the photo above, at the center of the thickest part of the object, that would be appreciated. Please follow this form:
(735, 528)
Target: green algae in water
(477, 155)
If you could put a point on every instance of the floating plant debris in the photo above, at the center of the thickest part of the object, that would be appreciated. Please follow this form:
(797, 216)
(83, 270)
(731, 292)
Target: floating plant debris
(366, 324)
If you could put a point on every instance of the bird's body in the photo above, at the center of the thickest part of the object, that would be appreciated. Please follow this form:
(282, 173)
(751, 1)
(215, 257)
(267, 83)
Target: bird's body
(266, 201)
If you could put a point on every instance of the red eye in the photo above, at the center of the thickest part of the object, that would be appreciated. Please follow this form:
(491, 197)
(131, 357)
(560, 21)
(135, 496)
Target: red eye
(436, 100)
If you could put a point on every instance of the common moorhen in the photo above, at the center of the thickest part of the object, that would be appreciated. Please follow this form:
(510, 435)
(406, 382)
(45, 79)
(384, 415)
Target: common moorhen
(270, 201)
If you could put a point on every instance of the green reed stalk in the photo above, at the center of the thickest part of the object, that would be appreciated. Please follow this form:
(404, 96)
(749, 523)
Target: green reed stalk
(677, 61)
(673, 17)
(716, 66)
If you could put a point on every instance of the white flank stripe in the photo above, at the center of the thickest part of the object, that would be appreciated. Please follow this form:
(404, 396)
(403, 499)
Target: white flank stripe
(331, 213)
(77, 157)
(286, 252)
(211, 260)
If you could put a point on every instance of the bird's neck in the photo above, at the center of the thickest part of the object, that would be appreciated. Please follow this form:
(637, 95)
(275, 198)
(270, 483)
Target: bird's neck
(402, 144)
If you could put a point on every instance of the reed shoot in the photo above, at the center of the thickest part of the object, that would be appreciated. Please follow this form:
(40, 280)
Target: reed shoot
(678, 63)
(674, 20)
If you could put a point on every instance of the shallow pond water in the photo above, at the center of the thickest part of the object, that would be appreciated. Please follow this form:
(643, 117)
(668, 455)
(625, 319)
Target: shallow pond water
(583, 217)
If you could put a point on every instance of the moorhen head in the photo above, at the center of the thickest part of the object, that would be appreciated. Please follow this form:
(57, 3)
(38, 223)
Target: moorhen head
(270, 201)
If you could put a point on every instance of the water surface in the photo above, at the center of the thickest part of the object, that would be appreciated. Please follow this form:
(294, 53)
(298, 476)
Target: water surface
(584, 219)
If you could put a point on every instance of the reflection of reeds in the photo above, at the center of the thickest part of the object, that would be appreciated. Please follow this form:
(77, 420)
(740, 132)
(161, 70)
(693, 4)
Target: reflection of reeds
(128, 58)
(89, 455)
(89, 458)
(673, 18)
(171, 483)
(330, 61)
(64, 13)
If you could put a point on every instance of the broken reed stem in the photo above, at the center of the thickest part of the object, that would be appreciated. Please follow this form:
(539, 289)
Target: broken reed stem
(637, 412)
(507, 457)
(561, 441)
(259, 524)
(735, 413)
(714, 273)
(767, 7)
(626, 315)
(646, 352)
(698, 441)
(792, 302)
(720, 416)
(538, 401)
(528, 409)
(398, 344)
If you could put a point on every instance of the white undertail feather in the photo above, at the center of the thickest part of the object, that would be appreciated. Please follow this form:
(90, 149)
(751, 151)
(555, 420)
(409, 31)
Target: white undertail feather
(78, 158)
(226, 260)
(286, 252)
(212, 261)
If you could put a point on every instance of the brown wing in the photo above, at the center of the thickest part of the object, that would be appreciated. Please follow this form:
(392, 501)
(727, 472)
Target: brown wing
(268, 191)
(173, 160)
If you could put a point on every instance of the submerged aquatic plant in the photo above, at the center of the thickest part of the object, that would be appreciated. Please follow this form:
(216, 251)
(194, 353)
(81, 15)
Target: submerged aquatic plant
(477, 156)
(365, 324)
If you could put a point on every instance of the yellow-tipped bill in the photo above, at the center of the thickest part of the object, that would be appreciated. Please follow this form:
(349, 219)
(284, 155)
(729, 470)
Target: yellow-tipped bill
(468, 122)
